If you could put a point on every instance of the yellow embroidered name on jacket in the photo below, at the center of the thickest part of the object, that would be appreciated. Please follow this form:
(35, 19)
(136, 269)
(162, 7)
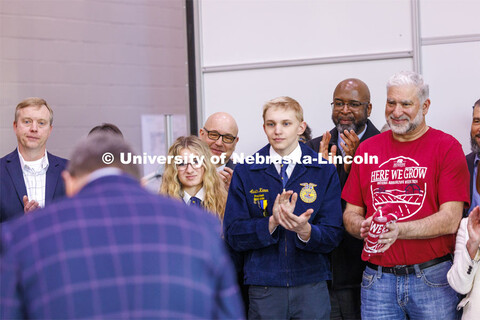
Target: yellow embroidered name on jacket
(258, 190)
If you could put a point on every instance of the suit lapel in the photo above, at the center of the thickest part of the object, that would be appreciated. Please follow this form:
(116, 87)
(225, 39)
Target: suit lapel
(334, 140)
(298, 171)
(371, 131)
(272, 171)
(471, 169)
(16, 174)
(53, 174)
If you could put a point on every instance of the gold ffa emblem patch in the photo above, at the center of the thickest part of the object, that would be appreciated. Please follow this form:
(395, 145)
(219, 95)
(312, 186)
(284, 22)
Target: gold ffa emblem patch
(308, 193)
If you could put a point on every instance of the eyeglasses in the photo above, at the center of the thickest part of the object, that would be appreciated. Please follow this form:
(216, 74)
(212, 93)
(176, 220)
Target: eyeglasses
(352, 105)
(226, 138)
(184, 165)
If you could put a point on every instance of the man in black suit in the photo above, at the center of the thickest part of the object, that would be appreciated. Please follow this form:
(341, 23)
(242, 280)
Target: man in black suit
(30, 177)
(351, 108)
(473, 158)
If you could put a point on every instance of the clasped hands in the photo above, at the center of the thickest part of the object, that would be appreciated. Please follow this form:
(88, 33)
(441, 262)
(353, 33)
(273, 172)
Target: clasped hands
(225, 177)
(29, 205)
(282, 214)
(388, 238)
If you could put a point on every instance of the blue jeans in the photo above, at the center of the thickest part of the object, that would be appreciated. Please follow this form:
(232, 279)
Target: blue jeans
(423, 295)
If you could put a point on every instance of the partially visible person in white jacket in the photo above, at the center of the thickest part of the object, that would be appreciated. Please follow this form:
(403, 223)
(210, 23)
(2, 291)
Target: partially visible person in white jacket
(464, 276)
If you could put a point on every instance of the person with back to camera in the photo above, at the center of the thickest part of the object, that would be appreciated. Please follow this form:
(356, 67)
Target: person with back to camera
(113, 250)
(107, 128)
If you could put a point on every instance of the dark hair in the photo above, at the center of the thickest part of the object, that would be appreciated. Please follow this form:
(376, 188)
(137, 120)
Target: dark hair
(89, 155)
(107, 127)
(477, 103)
(306, 135)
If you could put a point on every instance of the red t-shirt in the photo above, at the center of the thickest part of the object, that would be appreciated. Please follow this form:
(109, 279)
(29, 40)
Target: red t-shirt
(417, 176)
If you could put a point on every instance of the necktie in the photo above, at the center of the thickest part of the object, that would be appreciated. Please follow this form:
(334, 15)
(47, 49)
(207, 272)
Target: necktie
(283, 172)
(195, 202)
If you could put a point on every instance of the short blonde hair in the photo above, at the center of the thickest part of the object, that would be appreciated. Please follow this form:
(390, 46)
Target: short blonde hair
(284, 103)
(33, 102)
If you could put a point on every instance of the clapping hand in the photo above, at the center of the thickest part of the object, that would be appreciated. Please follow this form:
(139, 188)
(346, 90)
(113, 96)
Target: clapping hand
(473, 227)
(225, 177)
(324, 146)
(285, 206)
(349, 146)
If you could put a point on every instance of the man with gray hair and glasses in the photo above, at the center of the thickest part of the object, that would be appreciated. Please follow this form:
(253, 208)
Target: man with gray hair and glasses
(421, 175)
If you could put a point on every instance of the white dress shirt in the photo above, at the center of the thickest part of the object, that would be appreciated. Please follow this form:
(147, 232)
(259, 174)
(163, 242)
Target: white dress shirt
(35, 177)
(293, 158)
(200, 195)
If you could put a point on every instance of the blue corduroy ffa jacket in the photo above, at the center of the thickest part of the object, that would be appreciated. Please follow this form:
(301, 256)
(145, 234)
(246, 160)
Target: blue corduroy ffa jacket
(281, 258)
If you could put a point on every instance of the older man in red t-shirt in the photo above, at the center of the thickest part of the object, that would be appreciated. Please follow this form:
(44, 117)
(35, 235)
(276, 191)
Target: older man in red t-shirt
(422, 172)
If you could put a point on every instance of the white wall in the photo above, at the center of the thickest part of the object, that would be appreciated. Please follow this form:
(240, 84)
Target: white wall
(252, 51)
(451, 63)
(251, 31)
(93, 61)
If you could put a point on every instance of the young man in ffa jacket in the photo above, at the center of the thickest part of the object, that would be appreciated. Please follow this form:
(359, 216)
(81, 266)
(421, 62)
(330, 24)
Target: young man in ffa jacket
(284, 213)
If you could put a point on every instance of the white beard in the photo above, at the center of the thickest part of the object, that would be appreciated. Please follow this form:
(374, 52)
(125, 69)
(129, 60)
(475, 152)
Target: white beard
(407, 127)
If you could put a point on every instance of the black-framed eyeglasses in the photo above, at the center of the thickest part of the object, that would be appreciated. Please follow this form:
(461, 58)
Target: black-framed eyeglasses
(215, 135)
(352, 105)
(195, 164)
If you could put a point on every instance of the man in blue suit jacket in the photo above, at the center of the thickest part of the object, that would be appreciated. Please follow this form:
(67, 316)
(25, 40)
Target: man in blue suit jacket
(114, 250)
(29, 176)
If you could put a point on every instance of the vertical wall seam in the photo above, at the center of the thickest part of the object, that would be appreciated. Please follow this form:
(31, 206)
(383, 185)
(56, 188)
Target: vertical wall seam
(416, 35)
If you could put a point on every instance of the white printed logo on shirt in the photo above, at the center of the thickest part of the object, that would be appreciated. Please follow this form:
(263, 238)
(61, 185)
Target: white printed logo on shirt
(399, 181)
